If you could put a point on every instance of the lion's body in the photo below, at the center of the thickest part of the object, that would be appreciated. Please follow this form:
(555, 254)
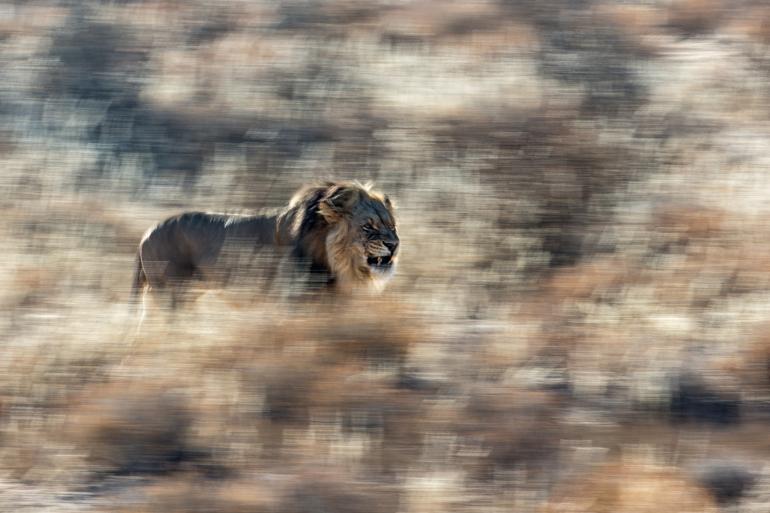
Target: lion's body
(207, 248)
(325, 231)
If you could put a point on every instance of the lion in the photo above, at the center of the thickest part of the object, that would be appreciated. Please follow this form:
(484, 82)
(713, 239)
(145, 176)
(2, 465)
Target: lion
(343, 234)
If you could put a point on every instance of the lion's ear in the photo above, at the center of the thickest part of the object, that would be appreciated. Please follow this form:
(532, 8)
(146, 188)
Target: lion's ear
(339, 203)
(388, 202)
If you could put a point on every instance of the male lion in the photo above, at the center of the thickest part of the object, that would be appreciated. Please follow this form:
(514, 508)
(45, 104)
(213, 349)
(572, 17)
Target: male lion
(342, 233)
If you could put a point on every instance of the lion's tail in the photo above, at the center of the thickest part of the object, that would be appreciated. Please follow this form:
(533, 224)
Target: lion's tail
(140, 279)
(136, 306)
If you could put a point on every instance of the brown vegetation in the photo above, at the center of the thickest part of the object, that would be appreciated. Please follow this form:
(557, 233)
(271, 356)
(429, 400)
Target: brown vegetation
(579, 318)
(633, 487)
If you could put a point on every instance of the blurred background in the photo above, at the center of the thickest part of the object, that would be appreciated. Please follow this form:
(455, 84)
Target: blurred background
(579, 320)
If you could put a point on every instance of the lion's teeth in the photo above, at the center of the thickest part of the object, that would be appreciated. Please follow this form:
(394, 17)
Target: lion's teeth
(379, 260)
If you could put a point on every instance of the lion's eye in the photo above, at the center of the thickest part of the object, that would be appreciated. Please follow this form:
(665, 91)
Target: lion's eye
(368, 227)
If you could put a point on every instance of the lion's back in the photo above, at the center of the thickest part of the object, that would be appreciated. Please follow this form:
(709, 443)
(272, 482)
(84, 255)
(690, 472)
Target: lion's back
(183, 237)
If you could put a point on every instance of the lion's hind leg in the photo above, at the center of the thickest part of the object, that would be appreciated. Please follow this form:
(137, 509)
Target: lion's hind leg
(171, 285)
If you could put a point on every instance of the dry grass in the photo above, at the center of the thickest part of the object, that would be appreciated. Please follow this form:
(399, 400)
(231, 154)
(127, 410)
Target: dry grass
(578, 320)
(633, 487)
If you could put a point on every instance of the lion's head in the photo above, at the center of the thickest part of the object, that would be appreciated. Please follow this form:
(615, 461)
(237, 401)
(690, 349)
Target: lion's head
(349, 229)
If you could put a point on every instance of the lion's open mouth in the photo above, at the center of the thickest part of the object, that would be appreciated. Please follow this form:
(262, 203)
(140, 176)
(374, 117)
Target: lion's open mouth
(379, 262)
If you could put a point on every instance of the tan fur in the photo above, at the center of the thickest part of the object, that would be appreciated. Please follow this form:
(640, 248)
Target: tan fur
(339, 233)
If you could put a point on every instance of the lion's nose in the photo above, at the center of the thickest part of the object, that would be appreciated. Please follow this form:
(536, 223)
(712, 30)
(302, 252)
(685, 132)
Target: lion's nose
(392, 246)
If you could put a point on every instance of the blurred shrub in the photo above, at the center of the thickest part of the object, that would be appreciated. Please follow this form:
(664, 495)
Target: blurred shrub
(308, 492)
(131, 427)
(327, 495)
(193, 495)
(632, 487)
(692, 17)
(694, 400)
(727, 481)
(510, 428)
(95, 61)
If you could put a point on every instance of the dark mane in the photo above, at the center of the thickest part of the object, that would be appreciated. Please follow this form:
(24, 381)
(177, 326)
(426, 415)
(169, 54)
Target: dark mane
(311, 216)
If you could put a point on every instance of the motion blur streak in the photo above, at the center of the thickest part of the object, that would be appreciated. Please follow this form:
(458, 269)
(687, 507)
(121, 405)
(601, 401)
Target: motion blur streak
(578, 321)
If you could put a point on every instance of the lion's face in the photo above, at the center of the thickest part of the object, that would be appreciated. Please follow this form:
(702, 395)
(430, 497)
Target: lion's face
(362, 245)
(377, 236)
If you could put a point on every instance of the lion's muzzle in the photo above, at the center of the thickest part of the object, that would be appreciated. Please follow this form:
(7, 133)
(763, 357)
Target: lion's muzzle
(382, 256)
